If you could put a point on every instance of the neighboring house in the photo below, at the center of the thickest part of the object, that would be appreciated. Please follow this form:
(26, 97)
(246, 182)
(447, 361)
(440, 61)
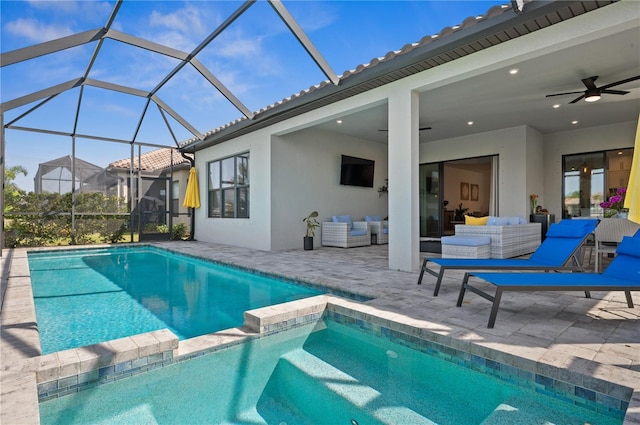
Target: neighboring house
(163, 181)
(260, 177)
(61, 176)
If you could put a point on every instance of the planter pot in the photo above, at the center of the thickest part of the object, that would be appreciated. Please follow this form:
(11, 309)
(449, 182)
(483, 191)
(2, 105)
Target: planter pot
(308, 243)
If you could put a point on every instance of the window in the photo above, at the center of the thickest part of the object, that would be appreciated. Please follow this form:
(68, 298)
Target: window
(229, 187)
(591, 178)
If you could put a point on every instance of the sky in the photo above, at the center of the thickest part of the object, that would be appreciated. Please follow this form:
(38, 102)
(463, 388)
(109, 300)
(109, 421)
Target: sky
(256, 58)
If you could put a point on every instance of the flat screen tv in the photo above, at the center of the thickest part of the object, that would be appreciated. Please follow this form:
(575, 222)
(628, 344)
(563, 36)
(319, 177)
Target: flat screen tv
(356, 171)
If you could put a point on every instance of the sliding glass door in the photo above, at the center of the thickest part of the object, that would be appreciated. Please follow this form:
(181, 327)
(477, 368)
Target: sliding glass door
(442, 191)
(431, 206)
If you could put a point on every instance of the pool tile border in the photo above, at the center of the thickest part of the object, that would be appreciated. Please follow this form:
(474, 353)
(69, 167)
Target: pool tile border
(609, 399)
(70, 371)
(605, 392)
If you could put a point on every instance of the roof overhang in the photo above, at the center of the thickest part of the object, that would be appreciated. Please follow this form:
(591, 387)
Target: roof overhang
(498, 26)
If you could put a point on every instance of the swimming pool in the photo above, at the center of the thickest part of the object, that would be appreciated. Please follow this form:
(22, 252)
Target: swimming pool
(329, 372)
(83, 297)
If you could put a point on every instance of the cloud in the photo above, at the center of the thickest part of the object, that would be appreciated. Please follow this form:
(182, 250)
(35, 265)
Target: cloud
(240, 47)
(184, 27)
(184, 20)
(37, 31)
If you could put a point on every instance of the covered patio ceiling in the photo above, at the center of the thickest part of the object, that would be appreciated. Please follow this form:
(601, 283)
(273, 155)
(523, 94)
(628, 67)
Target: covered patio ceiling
(497, 99)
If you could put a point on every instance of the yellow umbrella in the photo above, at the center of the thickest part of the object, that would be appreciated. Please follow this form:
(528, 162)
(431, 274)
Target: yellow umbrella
(632, 199)
(192, 196)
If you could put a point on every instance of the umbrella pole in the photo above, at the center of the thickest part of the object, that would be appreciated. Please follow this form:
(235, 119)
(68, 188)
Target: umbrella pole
(193, 224)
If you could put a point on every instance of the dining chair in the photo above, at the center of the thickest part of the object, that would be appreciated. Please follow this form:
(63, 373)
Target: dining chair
(609, 234)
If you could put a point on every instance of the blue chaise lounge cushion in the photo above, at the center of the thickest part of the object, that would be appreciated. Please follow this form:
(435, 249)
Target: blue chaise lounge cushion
(566, 231)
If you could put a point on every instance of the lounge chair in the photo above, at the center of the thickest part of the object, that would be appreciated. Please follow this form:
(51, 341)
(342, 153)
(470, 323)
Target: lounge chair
(562, 244)
(623, 274)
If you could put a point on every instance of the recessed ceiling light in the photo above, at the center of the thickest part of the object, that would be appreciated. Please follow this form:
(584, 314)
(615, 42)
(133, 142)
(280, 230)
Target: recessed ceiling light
(338, 121)
(574, 122)
(513, 71)
(470, 123)
(619, 152)
(556, 106)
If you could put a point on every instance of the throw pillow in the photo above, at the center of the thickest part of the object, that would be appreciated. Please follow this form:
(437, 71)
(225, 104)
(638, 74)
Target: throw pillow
(343, 219)
(475, 221)
(497, 221)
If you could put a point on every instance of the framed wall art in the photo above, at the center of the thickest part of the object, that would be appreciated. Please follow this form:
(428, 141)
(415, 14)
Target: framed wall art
(475, 192)
(464, 191)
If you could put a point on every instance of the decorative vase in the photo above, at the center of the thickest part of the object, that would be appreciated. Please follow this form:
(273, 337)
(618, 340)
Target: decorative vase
(623, 214)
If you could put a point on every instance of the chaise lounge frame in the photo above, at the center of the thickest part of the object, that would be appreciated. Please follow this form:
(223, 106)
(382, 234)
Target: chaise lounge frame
(627, 263)
(626, 286)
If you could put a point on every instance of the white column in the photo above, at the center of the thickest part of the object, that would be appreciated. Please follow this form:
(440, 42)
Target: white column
(404, 224)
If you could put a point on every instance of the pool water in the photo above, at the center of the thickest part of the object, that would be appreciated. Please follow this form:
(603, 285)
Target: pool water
(327, 374)
(83, 297)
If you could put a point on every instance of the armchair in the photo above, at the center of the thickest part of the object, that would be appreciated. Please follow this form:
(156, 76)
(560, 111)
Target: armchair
(379, 227)
(345, 233)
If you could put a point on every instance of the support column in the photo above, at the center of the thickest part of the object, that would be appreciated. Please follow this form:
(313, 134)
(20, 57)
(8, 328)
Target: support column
(404, 214)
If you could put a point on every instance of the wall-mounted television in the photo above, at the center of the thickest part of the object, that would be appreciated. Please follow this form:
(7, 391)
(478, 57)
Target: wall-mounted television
(356, 171)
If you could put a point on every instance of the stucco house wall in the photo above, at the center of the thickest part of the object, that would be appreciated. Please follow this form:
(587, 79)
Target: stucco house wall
(509, 144)
(254, 232)
(294, 169)
(306, 178)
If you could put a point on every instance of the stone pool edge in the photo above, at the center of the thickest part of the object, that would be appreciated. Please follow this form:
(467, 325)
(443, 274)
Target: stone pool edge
(19, 377)
(69, 371)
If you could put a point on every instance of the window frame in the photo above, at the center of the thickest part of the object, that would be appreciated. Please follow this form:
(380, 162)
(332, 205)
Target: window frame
(229, 189)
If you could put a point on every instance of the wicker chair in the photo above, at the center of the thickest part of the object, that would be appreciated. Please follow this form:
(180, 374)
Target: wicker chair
(344, 233)
(609, 234)
(379, 228)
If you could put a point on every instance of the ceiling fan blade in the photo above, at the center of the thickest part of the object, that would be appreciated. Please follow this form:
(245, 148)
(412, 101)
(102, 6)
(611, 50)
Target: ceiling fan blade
(590, 82)
(562, 94)
(617, 83)
(577, 99)
(614, 91)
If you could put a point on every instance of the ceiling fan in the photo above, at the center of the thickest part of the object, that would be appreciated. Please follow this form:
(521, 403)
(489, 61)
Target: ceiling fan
(421, 128)
(593, 93)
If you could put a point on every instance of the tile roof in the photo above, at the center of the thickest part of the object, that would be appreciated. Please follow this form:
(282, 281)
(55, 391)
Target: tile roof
(159, 159)
(475, 33)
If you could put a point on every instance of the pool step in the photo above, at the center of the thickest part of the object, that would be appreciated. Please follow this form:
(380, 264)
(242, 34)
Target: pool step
(325, 394)
(525, 411)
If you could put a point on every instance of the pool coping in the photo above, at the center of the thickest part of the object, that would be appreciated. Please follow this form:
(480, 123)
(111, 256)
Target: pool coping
(24, 378)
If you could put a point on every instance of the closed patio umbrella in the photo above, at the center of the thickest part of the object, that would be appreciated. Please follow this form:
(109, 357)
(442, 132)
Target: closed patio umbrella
(632, 199)
(192, 195)
(192, 198)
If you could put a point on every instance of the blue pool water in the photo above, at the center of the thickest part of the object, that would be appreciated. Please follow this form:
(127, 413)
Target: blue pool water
(83, 297)
(333, 374)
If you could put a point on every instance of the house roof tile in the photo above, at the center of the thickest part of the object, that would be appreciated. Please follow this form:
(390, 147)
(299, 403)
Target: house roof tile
(155, 160)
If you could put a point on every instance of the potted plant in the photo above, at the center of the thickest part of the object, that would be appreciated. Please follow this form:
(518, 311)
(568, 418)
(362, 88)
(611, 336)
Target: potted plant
(312, 223)
(459, 212)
